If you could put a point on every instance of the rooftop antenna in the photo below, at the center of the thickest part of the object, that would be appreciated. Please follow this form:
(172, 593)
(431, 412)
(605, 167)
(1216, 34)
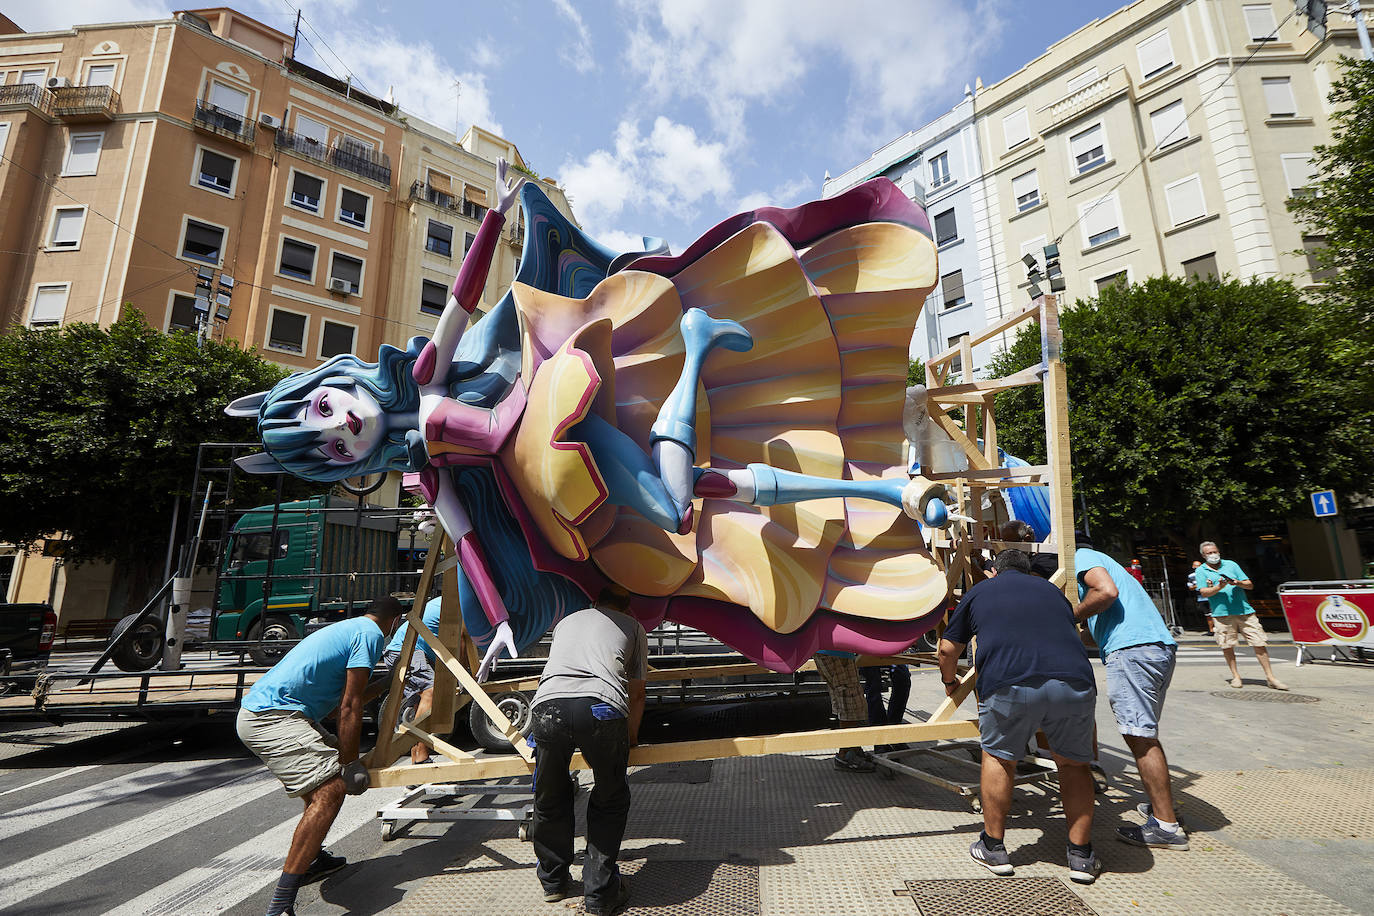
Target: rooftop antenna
(295, 36)
(457, 109)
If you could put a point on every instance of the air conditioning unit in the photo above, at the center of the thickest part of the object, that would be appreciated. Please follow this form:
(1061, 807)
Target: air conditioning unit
(269, 122)
(58, 82)
(338, 285)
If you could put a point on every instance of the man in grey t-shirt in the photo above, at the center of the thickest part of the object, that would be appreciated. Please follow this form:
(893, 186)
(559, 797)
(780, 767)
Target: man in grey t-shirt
(590, 698)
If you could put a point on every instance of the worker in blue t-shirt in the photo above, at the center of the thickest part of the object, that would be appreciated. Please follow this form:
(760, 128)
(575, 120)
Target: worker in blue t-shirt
(280, 723)
(1224, 584)
(1139, 654)
(419, 680)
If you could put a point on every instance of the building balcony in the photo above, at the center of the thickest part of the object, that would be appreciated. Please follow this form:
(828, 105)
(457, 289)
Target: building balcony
(361, 161)
(1084, 99)
(422, 191)
(85, 103)
(26, 95)
(224, 123)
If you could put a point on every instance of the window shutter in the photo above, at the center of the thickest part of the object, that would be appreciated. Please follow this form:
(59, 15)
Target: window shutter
(1156, 54)
(1170, 124)
(1297, 171)
(67, 228)
(1087, 148)
(1259, 21)
(945, 228)
(335, 339)
(1278, 96)
(101, 75)
(84, 154)
(953, 286)
(297, 257)
(288, 331)
(1025, 189)
(1016, 128)
(433, 296)
(1100, 217)
(49, 305)
(439, 182)
(227, 98)
(476, 196)
(1185, 200)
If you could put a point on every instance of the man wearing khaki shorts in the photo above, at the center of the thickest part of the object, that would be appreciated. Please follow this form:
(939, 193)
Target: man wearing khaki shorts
(280, 723)
(1224, 584)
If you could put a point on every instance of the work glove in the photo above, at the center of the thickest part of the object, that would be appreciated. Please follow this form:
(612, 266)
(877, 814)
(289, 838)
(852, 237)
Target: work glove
(355, 777)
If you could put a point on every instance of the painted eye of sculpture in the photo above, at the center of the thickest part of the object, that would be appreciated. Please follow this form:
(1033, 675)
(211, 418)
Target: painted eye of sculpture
(323, 406)
(342, 452)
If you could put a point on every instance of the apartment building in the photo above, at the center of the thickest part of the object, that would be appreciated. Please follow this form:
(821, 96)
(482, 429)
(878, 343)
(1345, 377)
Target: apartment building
(1164, 138)
(939, 166)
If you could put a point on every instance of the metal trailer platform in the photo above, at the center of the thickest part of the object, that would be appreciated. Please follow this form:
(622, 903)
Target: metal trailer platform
(453, 801)
(963, 756)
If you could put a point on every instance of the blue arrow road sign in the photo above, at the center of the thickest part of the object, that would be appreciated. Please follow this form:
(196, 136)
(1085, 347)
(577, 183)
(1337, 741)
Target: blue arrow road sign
(1324, 503)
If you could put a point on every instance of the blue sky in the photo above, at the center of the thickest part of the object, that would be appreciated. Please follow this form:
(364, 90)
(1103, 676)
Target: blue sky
(661, 117)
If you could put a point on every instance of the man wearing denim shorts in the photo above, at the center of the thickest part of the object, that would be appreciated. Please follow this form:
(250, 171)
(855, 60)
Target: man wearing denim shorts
(280, 723)
(1139, 655)
(1033, 673)
(419, 682)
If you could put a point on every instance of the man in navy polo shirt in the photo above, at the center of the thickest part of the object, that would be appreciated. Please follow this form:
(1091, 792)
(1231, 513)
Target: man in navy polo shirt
(1138, 652)
(1033, 673)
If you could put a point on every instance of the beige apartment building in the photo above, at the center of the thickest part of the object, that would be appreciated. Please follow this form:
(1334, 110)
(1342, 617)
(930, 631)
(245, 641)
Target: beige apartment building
(1164, 138)
(190, 167)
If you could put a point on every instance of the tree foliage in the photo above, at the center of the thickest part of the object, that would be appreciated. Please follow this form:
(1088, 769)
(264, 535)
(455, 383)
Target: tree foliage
(99, 429)
(1195, 401)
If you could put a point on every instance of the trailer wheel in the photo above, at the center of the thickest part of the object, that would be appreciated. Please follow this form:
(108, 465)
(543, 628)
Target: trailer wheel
(515, 705)
(141, 649)
(388, 831)
(277, 629)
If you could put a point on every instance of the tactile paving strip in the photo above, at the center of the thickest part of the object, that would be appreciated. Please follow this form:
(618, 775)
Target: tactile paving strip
(1326, 803)
(691, 772)
(691, 887)
(995, 897)
(1268, 696)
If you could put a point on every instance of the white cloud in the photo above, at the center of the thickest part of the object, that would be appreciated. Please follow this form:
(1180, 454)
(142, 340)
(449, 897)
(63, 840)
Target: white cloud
(63, 14)
(576, 49)
(896, 54)
(668, 170)
(787, 194)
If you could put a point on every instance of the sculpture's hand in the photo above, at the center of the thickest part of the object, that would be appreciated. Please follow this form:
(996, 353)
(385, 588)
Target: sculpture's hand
(506, 189)
(502, 639)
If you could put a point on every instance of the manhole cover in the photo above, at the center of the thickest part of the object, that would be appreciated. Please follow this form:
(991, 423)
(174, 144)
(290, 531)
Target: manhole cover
(1265, 696)
(995, 897)
(692, 886)
(685, 771)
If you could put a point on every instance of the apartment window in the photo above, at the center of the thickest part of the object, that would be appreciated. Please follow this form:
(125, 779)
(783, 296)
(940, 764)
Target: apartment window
(312, 130)
(468, 239)
(67, 223)
(33, 77)
(433, 296)
(100, 75)
(1026, 189)
(354, 146)
(350, 270)
(1311, 244)
(4, 135)
(1034, 247)
(228, 99)
(1088, 149)
(1016, 128)
(286, 331)
(439, 239)
(216, 171)
(202, 242)
(1100, 220)
(1117, 279)
(1156, 55)
(83, 154)
(353, 208)
(473, 210)
(952, 289)
(939, 169)
(1297, 172)
(1259, 22)
(956, 365)
(49, 305)
(945, 228)
(335, 338)
(297, 260)
(1184, 198)
(1278, 96)
(1203, 268)
(183, 313)
(306, 191)
(1170, 124)
(1086, 78)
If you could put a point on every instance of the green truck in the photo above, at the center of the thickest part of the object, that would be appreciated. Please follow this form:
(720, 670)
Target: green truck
(330, 559)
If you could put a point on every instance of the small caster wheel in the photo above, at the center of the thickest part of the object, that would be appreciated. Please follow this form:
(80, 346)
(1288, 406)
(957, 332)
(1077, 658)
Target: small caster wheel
(523, 832)
(388, 831)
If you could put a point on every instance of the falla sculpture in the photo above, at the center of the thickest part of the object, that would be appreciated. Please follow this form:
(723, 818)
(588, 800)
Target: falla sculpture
(720, 431)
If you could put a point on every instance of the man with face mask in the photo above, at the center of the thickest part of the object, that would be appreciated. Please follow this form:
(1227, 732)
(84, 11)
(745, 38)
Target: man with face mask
(1224, 584)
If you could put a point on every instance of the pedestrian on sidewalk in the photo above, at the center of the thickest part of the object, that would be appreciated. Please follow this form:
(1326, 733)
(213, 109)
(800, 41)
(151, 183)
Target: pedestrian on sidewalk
(841, 673)
(1137, 571)
(1033, 673)
(1224, 584)
(590, 698)
(1139, 654)
(418, 686)
(280, 722)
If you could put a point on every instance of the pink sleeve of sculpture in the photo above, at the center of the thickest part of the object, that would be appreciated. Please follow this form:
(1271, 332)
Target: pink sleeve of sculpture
(472, 276)
(474, 562)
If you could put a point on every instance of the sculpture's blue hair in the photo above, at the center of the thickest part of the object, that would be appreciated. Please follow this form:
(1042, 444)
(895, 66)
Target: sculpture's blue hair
(297, 449)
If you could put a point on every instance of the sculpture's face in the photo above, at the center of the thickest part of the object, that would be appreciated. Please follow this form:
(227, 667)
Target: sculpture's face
(349, 421)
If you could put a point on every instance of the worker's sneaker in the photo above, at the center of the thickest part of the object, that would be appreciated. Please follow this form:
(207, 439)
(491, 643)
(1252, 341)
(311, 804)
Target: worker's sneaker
(996, 861)
(1147, 812)
(852, 759)
(1084, 869)
(617, 904)
(562, 891)
(1152, 835)
(323, 866)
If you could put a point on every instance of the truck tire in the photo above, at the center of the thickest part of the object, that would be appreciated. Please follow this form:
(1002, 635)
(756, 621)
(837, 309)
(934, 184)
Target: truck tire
(276, 629)
(142, 649)
(516, 706)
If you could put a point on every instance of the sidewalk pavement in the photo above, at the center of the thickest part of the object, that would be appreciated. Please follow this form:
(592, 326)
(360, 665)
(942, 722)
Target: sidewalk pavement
(1276, 788)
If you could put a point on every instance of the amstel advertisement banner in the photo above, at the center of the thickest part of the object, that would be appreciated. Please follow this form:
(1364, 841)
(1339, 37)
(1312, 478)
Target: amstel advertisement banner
(1329, 613)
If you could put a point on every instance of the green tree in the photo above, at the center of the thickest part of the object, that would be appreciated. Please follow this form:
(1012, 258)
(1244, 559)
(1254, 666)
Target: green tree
(1196, 401)
(915, 372)
(99, 428)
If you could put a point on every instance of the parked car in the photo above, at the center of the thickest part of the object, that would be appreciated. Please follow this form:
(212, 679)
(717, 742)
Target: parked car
(26, 635)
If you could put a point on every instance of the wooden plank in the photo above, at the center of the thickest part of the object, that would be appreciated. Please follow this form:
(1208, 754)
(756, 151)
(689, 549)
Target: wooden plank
(951, 703)
(1057, 450)
(973, 391)
(946, 422)
(457, 755)
(451, 633)
(989, 430)
(479, 696)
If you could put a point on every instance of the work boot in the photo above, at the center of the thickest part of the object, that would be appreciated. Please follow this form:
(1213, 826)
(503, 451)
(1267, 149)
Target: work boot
(562, 891)
(617, 904)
